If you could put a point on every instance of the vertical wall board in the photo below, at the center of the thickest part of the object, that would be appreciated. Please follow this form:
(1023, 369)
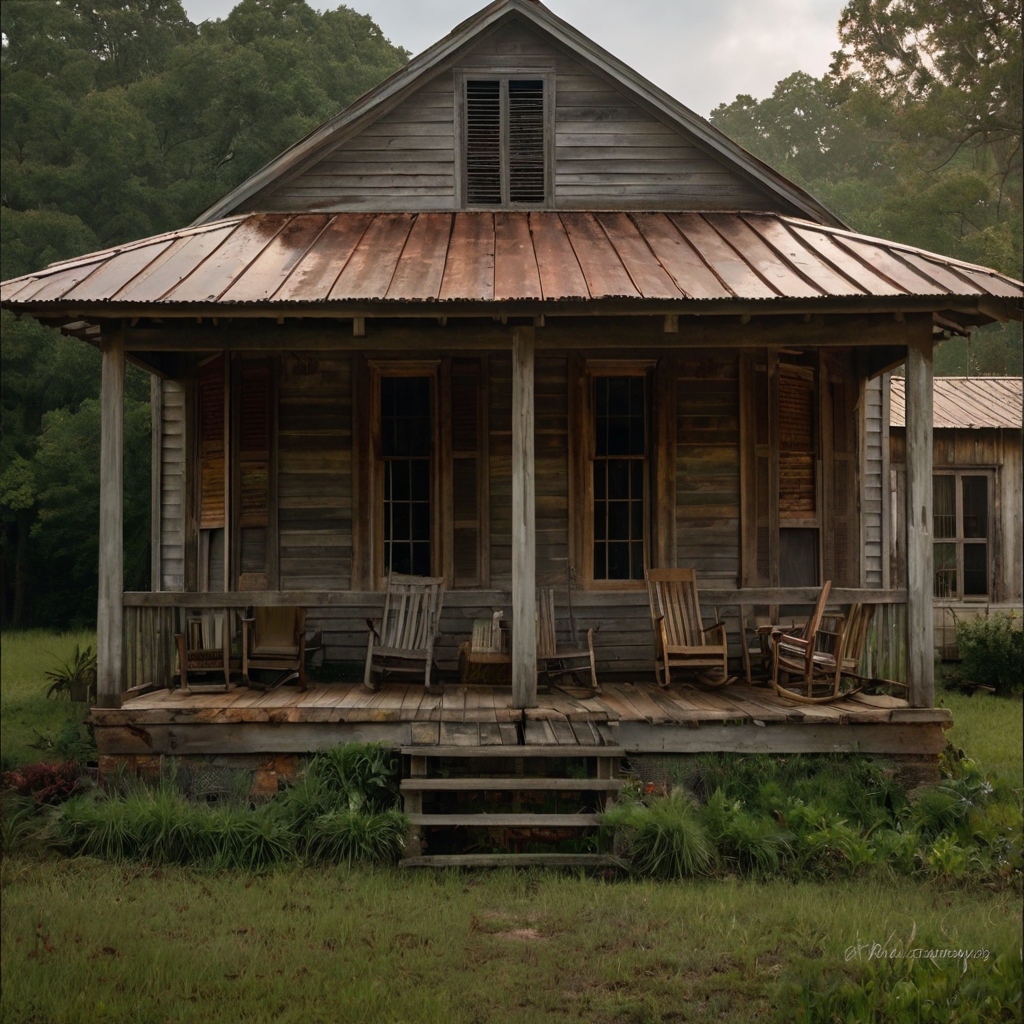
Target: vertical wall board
(314, 477)
(707, 466)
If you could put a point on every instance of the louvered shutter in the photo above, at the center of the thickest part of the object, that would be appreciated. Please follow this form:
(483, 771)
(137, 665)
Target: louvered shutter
(797, 488)
(254, 447)
(211, 444)
(483, 143)
(526, 141)
(466, 452)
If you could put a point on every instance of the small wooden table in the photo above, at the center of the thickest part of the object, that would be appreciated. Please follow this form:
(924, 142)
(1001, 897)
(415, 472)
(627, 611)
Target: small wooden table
(487, 668)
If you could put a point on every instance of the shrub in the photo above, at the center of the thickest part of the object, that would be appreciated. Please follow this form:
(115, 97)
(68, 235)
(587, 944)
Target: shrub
(349, 837)
(45, 783)
(666, 839)
(76, 677)
(992, 652)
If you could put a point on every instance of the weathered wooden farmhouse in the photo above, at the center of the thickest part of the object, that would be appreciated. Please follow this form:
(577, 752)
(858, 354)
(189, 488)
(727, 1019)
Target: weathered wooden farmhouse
(514, 317)
(977, 502)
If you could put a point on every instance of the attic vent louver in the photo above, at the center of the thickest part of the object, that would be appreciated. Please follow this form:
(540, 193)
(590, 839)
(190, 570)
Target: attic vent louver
(505, 158)
(483, 143)
(526, 142)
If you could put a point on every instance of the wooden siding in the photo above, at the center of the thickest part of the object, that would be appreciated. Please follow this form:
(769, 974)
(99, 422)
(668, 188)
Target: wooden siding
(403, 161)
(315, 472)
(500, 477)
(609, 151)
(172, 486)
(551, 461)
(873, 474)
(708, 468)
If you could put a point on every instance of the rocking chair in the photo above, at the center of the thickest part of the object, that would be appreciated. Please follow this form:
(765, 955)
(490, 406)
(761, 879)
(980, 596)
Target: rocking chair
(680, 639)
(402, 641)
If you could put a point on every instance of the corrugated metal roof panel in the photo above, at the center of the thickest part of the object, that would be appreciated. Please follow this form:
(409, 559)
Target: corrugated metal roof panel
(270, 260)
(965, 402)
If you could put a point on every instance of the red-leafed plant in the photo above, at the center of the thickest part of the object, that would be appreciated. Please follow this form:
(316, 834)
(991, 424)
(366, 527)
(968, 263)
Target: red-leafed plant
(45, 783)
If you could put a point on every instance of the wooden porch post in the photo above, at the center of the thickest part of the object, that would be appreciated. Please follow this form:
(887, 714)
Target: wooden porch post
(920, 627)
(109, 612)
(524, 543)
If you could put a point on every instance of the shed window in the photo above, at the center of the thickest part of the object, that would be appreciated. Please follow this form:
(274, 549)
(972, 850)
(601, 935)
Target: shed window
(960, 520)
(619, 480)
(505, 161)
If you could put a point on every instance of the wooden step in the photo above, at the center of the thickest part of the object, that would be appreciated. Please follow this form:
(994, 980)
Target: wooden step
(506, 820)
(536, 750)
(437, 785)
(513, 860)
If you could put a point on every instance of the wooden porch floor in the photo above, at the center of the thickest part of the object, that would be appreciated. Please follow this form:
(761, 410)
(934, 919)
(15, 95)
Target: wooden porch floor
(635, 716)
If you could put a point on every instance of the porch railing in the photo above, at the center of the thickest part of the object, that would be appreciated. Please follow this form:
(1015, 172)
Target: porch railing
(152, 619)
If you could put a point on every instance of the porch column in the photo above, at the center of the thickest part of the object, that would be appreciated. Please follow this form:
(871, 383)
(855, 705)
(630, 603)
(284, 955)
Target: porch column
(524, 543)
(920, 627)
(109, 612)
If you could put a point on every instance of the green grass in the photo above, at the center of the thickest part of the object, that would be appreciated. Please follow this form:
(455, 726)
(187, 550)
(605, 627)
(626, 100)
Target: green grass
(990, 730)
(33, 725)
(86, 942)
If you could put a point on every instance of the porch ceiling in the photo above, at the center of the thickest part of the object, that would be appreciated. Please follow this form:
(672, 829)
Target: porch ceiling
(442, 262)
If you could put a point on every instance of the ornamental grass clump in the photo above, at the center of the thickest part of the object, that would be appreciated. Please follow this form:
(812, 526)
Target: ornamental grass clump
(350, 837)
(751, 843)
(665, 838)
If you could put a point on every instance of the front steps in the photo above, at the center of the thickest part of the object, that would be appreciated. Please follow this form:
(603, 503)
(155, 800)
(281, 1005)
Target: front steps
(440, 781)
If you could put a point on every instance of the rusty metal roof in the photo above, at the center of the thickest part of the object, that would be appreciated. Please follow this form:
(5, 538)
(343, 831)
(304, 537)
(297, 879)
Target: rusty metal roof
(966, 402)
(709, 261)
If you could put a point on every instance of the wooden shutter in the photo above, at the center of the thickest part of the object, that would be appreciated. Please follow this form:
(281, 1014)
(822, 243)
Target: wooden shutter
(483, 143)
(526, 141)
(211, 444)
(254, 447)
(797, 486)
(467, 482)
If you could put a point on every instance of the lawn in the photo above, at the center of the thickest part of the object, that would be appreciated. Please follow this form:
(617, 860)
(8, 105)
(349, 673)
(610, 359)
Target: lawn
(85, 942)
(33, 726)
(88, 941)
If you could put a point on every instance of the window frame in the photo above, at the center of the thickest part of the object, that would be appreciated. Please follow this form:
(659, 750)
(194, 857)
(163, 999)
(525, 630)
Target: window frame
(503, 74)
(585, 434)
(959, 541)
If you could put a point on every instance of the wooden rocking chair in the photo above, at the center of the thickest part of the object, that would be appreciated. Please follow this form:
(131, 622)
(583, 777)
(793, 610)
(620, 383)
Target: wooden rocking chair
(275, 639)
(680, 639)
(198, 653)
(807, 667)
(553, 661)
(403, 640)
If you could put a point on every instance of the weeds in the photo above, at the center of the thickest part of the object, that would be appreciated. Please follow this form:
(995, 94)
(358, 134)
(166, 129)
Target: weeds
(992, 652)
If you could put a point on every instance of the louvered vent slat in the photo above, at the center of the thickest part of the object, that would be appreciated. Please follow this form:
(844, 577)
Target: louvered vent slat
(483, 143)
(526, 141)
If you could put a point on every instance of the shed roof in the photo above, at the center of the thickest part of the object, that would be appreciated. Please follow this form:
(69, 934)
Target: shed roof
(709, 262)
(966, 402)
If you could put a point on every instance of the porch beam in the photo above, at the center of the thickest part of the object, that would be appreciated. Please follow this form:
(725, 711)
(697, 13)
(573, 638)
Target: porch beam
(109, 611)
(524, 542)
(920, 627)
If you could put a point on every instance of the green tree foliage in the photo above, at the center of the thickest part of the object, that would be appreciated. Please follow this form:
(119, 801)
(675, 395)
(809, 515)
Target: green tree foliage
(914, 135)
(120, 119)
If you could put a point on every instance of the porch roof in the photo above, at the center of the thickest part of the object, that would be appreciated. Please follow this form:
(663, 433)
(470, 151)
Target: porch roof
(434, 263)
(960, 402)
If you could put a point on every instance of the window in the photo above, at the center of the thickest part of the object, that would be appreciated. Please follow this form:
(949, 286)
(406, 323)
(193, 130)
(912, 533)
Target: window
(960, 526)
(505, 152)
(420, 444)
(619, 478)
(406, 448)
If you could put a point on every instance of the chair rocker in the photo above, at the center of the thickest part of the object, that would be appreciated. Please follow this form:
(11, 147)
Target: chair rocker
(275, 639)
(553, 661)
(402, 641)
(680, 639)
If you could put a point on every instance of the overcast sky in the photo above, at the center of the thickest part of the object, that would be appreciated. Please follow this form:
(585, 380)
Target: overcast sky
(701, 52)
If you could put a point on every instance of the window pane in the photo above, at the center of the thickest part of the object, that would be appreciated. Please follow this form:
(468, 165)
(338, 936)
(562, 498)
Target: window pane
(945, 569)
(944, 506)
(975, 493)
(975, 569)
(618, 478)
(618, 561)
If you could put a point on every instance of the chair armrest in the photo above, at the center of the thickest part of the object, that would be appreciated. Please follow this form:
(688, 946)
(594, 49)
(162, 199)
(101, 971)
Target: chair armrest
(373, 629)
